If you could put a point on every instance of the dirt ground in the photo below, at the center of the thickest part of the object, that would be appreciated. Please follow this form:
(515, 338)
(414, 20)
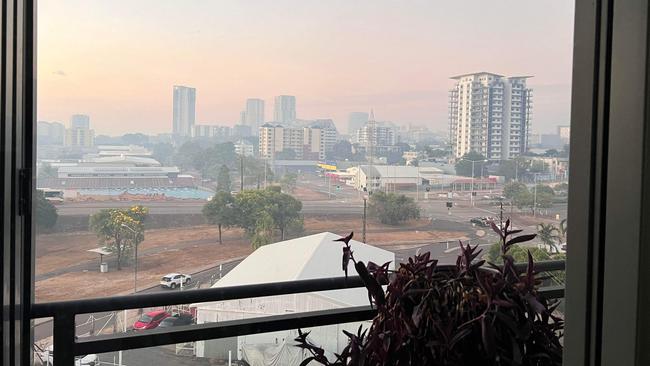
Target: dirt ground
(305, 194)
(68, 271)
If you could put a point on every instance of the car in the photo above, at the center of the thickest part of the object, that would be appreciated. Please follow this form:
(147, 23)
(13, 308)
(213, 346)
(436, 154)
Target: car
(173, 280)
(480, 221)
(150, 320)
(177, 320)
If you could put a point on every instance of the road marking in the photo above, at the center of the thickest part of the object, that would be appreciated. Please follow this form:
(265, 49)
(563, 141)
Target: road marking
(458, 248)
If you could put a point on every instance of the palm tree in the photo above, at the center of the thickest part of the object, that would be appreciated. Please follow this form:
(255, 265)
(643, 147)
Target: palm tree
(549, 234)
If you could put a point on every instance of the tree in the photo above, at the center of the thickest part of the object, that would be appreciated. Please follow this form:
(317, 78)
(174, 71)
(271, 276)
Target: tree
(519, 254)
(263, 231)
(45, 211)
(47, 171)
(464, 164)
(220, 211)
(342, 150)
(223, 179)
(512, 189)
(253, 206)
(284, 210)
(120, 229)
(393, 208)
(549, 235)
(286, 154)
(164, 153)
(435, 153)
(288, 182)
(545, 196)
(511, 169)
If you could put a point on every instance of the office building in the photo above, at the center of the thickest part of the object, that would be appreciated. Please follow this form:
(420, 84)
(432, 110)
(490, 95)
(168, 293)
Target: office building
(79, 134)
(356, 120)
(184, 111)
(284, 109)
(489, 114)
(254, 114)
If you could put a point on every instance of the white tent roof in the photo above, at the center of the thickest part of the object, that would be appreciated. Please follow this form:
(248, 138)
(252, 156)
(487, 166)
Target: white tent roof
(308, 257)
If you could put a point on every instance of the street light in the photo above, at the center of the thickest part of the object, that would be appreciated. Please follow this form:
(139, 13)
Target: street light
(471, 195)
(135, 272)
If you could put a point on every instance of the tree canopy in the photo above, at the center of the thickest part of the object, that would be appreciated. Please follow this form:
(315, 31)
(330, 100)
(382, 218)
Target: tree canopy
(391, 208)
(464, 164)
(220, 211)
(120, 229)
(223, 179)
(44, 211)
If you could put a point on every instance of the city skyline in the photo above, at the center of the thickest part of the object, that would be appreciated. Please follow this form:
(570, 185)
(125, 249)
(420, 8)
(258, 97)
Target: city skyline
(335, 58)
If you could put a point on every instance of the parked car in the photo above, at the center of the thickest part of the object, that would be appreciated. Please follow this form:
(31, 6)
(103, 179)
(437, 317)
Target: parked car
(177, 320)
(150, 320)
(174, 280)
(480, 221)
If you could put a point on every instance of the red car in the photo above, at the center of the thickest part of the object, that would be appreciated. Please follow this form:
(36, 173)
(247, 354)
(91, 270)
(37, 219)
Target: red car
(150, 320)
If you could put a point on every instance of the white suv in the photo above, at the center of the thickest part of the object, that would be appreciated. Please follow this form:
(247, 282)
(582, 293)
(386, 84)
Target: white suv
(174, 280)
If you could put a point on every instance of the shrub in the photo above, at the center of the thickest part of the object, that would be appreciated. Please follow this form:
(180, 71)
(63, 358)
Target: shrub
(463, 314)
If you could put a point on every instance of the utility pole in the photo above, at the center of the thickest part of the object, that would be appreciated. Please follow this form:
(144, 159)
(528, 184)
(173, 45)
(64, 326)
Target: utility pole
(363, 232)
(535, 195)
(241, 172)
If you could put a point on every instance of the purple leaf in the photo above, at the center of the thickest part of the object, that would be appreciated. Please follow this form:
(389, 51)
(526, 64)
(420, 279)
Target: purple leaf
(521, 239)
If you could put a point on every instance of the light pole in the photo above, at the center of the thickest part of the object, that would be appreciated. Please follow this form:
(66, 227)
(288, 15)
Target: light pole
(471, 194)
(135, 272)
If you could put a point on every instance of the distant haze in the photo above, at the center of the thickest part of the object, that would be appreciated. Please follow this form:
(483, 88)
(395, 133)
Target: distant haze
(117, 60)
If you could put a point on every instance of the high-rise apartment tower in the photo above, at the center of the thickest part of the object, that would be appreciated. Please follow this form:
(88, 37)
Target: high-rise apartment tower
(490, 114)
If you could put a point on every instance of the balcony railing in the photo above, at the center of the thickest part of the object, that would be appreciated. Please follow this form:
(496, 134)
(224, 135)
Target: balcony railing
(67, 345)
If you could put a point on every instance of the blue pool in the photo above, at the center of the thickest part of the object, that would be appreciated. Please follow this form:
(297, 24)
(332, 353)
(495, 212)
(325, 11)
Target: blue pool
(185, 193)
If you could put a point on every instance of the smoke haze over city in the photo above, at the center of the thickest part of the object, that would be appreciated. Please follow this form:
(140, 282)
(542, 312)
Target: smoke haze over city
(118, 60)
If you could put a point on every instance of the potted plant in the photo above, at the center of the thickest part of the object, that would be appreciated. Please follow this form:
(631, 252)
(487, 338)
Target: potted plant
(464, 314)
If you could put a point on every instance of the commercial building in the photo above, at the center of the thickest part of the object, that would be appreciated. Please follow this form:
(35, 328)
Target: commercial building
(284, 109)
(80, 121)
(389, 177)
(374, 137)
(184, 111)
(309, 257)
(490, 114)
(356, 120)
(254, 115)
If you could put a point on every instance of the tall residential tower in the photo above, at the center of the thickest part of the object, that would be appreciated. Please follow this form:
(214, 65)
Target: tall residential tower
(184, 111)
(490, 114)
(284, 109)
(254, 116)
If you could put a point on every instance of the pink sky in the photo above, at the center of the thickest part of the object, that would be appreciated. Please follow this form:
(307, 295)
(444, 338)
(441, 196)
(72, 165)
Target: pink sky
(117, 60)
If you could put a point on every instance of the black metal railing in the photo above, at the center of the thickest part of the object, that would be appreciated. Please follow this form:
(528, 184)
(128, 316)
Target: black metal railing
(67, 346)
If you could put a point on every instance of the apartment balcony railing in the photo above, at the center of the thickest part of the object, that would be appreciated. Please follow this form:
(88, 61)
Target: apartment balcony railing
(67, 346)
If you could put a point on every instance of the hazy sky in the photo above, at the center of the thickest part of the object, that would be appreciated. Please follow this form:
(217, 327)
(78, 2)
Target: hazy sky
(117, 60)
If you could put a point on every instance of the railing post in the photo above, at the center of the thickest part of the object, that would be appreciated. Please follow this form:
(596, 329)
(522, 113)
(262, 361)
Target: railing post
(64, 338)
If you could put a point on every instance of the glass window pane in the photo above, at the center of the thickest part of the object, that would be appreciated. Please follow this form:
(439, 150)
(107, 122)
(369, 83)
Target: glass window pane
(233, 142)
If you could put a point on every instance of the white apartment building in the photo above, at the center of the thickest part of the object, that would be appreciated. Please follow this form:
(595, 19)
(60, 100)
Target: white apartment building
(565, 133)
(244, 148)
(307, 142)
(490, 114)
